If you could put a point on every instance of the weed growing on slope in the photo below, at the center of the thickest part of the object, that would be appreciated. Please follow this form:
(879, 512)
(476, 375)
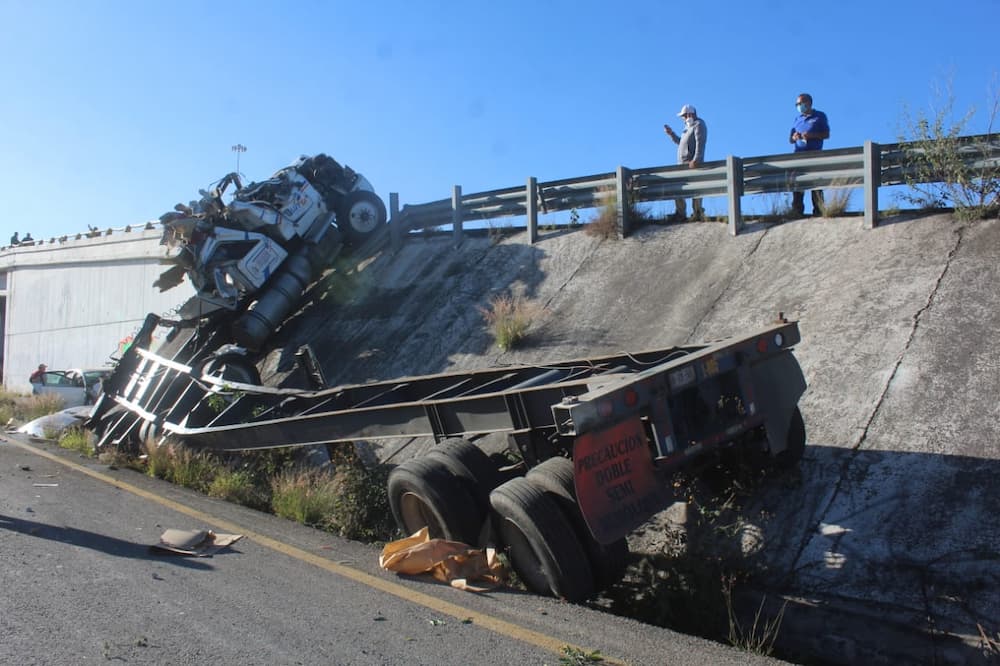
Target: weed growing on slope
(835, 201)
(945, 168)
(509, 318)
(606, 225)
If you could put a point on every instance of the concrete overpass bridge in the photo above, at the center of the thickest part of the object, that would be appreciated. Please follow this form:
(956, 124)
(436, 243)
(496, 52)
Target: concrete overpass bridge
(74, 301)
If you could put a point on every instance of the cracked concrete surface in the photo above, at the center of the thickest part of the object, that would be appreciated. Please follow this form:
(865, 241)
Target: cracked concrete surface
(893, 513)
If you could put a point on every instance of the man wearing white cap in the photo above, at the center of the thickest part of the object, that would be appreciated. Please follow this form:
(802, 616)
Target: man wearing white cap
(690, 151)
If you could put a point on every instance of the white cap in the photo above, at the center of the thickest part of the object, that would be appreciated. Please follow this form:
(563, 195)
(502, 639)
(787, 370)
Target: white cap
(687, 108)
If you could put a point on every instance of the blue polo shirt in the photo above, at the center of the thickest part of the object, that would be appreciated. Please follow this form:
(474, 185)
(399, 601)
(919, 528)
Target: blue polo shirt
(814, 121)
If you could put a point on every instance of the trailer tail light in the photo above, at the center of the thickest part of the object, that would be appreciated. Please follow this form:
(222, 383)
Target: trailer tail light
(631, 398)
(605, 408)
(778, 341)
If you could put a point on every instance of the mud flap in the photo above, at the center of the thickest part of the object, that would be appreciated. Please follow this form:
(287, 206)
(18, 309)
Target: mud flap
(778, 383)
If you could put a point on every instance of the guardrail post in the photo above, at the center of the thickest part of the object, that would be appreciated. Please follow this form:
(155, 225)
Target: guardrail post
(873, 179)
(622, 177)
(734, 190)
(531, 204)
(395, 223)
(456, 212)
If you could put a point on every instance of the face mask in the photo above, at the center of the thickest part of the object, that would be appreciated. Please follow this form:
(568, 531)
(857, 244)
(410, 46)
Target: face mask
(689, 121)
(801, 107)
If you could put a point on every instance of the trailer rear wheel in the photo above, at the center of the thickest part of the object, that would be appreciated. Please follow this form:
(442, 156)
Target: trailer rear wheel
(607, 561)
(795, 442)
(423, 493)
(543, 547)
(471, 464)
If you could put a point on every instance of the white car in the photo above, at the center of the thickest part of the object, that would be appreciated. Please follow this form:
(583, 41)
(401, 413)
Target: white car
(76, 387)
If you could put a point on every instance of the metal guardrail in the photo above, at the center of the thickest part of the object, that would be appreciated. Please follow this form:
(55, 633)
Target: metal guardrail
(869, 166)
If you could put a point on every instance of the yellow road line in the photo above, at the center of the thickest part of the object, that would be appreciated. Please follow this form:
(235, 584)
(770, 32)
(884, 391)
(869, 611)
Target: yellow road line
(494, 624)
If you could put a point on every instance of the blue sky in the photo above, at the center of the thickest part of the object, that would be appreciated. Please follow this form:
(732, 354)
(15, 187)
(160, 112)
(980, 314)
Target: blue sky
(114, 111)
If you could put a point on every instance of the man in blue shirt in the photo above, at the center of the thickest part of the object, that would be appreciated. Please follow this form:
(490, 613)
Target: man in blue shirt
(808, 132)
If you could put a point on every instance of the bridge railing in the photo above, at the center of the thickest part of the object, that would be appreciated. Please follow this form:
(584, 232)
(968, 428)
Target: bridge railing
(870, 167)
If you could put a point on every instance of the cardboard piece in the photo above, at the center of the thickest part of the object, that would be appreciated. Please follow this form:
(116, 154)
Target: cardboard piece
(200, 543)
(450, 562)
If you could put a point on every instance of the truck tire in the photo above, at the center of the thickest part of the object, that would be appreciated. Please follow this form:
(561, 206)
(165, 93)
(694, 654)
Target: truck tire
(607, 561)
(795, 442)
(233, 366)
(361, 213)
(423, 493)
(543, 547)
(470, 464)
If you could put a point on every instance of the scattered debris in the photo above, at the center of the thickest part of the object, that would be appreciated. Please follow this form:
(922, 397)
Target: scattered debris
(51, 426)
(200, 543)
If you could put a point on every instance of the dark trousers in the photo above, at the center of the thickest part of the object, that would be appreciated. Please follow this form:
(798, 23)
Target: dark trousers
(798, 202)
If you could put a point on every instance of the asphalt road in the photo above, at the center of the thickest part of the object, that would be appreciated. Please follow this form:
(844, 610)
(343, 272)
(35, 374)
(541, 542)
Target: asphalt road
(80, 585)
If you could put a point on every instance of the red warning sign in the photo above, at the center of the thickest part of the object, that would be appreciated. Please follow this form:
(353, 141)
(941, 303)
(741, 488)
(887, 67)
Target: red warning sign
(616, 484)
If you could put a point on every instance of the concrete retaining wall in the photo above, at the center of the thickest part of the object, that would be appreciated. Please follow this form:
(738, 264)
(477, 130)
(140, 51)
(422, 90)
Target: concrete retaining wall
(73, 304)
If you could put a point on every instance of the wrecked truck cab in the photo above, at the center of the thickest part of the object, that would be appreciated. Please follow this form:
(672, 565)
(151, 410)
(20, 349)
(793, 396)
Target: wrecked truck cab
(258, 253)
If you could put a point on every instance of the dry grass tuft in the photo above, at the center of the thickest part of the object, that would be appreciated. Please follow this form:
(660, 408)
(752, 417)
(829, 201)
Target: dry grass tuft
(19, 408)
(835, 201)
(605, 225)
(305, 496)
(510, 317)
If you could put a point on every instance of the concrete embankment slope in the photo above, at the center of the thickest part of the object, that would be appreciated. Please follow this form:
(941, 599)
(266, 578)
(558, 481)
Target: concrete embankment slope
(896, 512)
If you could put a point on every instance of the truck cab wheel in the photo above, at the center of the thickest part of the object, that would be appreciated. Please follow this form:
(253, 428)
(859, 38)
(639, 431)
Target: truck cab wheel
(360, 215)
(233, 366)
(543, 548)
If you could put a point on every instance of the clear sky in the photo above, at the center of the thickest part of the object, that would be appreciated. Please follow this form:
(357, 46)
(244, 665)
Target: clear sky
(113, 111)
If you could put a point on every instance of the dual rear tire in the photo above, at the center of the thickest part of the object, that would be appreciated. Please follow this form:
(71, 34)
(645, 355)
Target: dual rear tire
(446, 490)
(454, 491)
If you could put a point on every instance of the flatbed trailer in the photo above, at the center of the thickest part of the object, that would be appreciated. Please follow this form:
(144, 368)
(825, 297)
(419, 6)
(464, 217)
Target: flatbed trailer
(597, 438)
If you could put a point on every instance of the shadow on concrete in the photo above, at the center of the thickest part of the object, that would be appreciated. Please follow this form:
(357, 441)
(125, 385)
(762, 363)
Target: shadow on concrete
(94, 541)
(365, 331)
(834, 540)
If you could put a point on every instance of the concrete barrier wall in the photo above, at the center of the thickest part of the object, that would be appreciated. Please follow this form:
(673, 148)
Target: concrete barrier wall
(74, 303)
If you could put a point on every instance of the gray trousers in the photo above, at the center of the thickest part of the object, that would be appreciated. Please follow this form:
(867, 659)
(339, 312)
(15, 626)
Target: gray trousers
(681, 207)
